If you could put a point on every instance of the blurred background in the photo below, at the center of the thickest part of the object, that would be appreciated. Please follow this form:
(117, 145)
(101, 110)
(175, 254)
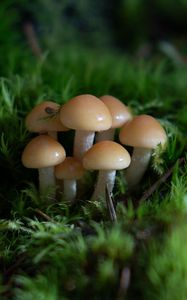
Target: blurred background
(138, 27)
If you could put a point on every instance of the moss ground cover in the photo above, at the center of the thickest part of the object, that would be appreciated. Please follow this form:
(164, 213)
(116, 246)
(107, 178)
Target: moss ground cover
(54, 250)
(51, 250)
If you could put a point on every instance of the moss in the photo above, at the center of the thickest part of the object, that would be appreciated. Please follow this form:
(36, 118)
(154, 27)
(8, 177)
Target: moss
(61, 251)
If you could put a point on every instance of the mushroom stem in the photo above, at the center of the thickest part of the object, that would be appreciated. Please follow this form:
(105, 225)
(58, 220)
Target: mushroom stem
(139, 163)
(53, 134)
(83, 141)
(70, 189)
(105, 178)
(106, 135)
(46, 179)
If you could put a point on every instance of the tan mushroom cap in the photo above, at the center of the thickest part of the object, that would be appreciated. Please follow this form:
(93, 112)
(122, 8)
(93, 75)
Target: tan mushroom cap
(86, 112)
(143, 131)
(44, 117)
(42, 152)
(119, 111)
(70, 168)
(106, 155)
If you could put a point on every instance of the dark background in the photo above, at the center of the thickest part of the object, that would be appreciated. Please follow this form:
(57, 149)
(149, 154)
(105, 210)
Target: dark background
(122, 25)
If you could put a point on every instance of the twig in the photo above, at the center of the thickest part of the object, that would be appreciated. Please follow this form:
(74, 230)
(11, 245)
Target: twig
(124, 283)
(110, 206)
(45, 216)
(32, 39)
(172, 52)
(154, 187)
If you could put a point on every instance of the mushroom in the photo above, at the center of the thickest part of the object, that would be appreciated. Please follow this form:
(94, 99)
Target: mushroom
(70, 170)
(107, 157)
(120, 115)
(144, 133)
(43, 153)
(85, 114)
(44, 118)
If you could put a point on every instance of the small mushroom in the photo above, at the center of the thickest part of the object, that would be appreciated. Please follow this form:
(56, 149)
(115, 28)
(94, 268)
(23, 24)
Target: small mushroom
(144, 133)
(44, 118)
(85, 114)
(70, 170)
(107, 157)
(120, 115)
(43, 153)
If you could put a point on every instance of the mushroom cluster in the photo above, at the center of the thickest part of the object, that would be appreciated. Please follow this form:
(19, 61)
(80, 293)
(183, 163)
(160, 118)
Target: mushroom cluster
(92, 119)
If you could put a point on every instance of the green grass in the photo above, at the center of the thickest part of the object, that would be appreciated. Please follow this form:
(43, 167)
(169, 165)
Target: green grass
(76, 252)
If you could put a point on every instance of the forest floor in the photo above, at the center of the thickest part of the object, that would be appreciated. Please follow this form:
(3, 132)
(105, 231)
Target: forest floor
(53, 250)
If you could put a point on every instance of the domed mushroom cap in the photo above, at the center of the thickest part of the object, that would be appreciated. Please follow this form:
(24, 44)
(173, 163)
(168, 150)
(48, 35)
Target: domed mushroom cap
(120, 112)
(86, 112)
(70, 168)
(44, 117)
(143, 131)
(106, 155)
(42, 152)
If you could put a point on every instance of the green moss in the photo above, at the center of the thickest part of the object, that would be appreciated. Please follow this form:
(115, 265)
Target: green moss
(168, 266)
(55, 250)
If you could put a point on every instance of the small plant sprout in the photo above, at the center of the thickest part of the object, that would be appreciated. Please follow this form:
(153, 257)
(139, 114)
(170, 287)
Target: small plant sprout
(43, 153)
(44, 118)
(107, 157)
(70, 170)
(144, 133)
(120, 115)
(85, 114)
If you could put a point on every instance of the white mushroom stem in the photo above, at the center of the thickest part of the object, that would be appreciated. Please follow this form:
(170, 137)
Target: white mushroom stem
(105, 178)
(46, 179)
(83, 141)
(139, 163)
(70, 189)
(46, 175)
(106, 135)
